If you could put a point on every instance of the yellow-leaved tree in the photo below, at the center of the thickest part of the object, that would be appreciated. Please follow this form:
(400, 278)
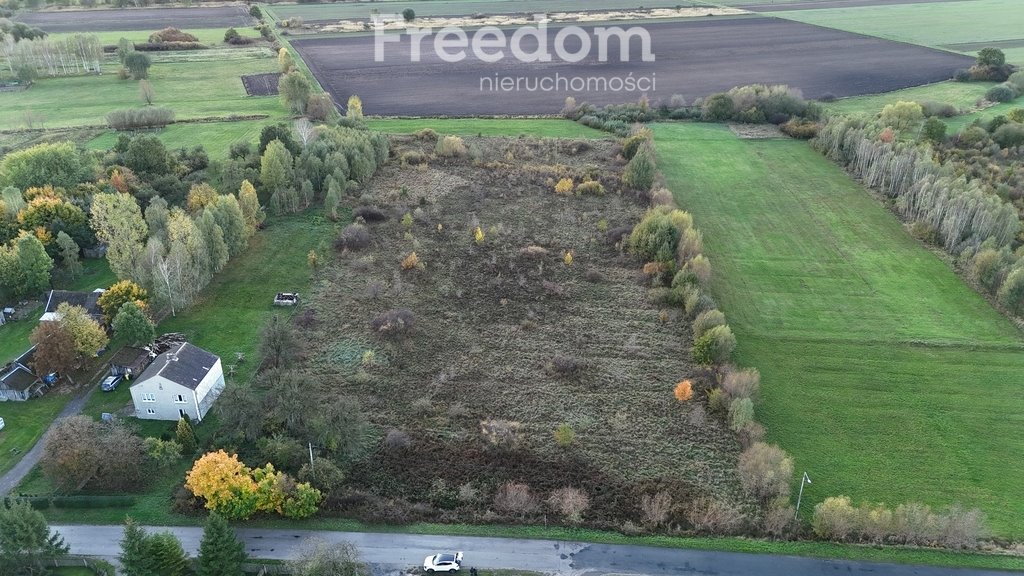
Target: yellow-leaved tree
(236, 491)
(225, 483)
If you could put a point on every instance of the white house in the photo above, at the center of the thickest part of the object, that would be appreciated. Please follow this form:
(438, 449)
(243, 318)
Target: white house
(183, 380)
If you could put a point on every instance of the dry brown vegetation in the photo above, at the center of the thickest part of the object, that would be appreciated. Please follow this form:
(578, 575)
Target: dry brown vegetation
(512, 339)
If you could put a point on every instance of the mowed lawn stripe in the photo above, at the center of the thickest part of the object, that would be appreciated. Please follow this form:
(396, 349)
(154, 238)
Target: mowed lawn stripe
(884, 375)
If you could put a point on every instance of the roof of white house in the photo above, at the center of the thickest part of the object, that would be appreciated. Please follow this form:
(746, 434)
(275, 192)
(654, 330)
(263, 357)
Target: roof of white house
(182, 364)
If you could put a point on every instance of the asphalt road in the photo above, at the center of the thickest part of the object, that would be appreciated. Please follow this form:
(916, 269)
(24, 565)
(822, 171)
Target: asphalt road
(391, 554)
(693, 58)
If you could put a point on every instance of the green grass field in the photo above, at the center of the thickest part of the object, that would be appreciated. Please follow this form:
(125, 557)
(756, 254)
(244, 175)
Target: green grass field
(25, 423)
(936, 24)
(538, 128)
(216, 137)
(340, 11)
(234, 307)
(884, 375)
(962, 95)
(191, 89)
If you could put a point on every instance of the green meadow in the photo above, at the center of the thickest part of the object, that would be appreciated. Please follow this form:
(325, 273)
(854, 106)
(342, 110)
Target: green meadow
(884, 375)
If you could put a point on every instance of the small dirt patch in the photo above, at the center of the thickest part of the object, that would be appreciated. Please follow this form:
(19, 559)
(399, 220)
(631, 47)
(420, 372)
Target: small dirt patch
(261, 84)
(756, 131)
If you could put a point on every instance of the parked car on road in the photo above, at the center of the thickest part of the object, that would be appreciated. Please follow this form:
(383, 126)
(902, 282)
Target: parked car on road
(110, 383)
(446, 562)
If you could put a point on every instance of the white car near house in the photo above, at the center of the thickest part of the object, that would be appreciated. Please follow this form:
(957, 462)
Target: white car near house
(2, 424)
(446, 562)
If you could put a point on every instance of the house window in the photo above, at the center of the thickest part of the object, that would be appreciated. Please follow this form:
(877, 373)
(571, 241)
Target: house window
(179, 398)
(148, 397)
(150, 411)
(181, 412)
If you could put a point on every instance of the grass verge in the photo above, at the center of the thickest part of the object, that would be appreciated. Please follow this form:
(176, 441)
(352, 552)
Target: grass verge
(883, 374)
(536, 127)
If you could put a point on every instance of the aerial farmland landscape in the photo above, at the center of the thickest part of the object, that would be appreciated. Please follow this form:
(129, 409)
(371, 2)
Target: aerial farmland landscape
(511, 288)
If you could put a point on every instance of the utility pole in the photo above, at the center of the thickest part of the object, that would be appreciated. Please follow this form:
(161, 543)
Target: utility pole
(804, 479)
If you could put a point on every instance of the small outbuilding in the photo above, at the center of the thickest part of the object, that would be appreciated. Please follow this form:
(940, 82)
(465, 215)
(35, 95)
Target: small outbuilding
(182, 380)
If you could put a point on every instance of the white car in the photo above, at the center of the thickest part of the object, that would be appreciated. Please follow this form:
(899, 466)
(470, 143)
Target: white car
(448, 562)
(2, 424)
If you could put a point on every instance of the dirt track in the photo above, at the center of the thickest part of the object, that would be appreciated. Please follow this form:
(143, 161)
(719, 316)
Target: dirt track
(136, 19)
(692, 58)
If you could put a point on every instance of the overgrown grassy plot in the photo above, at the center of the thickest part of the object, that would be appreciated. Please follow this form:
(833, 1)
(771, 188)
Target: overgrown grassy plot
(191, 89)
(884, 375)
(505, 329)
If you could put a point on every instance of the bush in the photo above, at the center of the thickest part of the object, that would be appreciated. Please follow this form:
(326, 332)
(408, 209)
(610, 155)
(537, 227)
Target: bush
(938, 109)
(564, 366)
(590, 188)
(779, 519)
(500, 433)
(515, 498)
(765, 471)
(255, 12)
(706, 321)
(451, 147)
(741, 413)
(570, 503)
(631, 145)
(135, 118)
(172, 35)
(901, 115)
(393, 323)
(834, 519)
(408, 14)
(410, 261)
(320, 107)
(715, 346)
(168, 46)
(564, 186)
(934, 130)
(138, 65)
(741, 383)
(683, 391)
(800, 129)
(656, 237)
(231, 34)
(711, 516)
(1009, 135)
(565, 435)
(353, 237)
(369, 214)
(718, 402)
(640, 172)
(655, 508)
(1001, 93)
(718, 108)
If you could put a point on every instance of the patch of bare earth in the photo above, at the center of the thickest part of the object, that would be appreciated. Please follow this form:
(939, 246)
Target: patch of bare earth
(505, 329)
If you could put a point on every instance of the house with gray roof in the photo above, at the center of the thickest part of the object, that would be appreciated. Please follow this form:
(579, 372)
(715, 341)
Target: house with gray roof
(18, 380)
(87, 300)
(183, 380)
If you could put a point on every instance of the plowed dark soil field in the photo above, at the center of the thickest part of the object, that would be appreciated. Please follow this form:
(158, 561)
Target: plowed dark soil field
(136, 19)
(693, 58)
